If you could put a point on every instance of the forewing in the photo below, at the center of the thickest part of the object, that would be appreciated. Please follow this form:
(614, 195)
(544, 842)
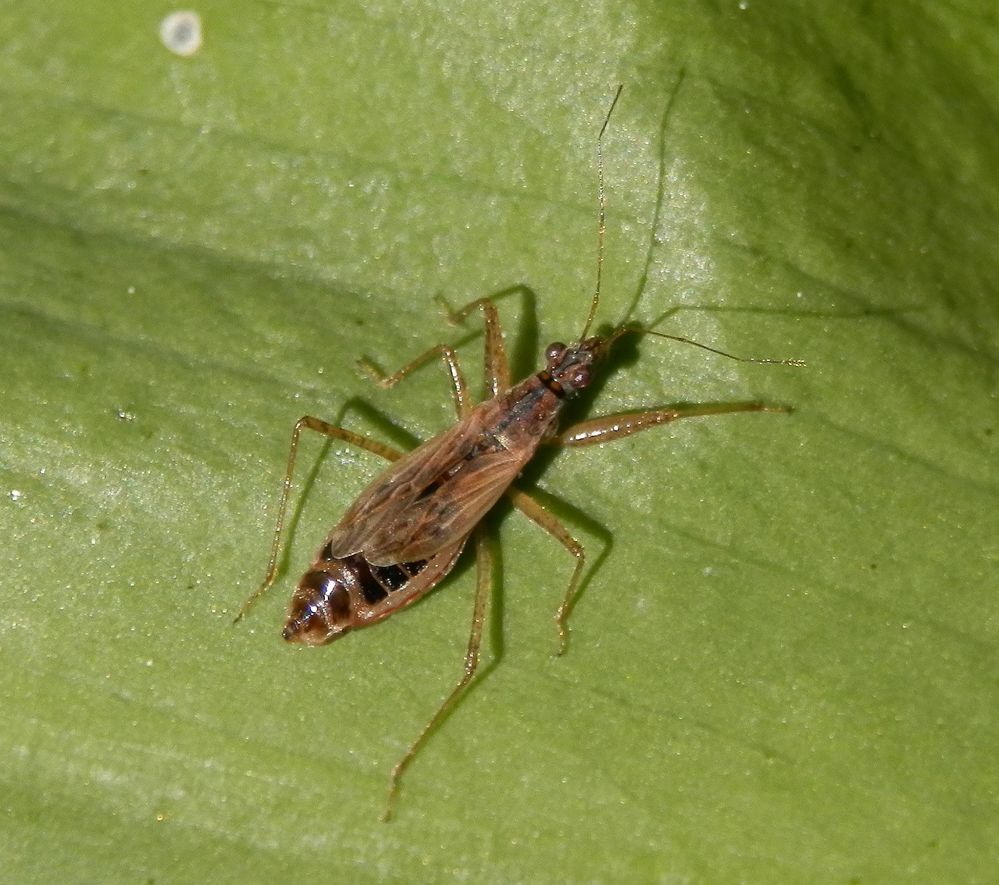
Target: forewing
(449, 510)
(430, 497)
(393, 490)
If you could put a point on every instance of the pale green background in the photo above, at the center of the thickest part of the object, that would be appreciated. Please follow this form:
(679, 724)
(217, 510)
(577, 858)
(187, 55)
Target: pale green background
(784, 668)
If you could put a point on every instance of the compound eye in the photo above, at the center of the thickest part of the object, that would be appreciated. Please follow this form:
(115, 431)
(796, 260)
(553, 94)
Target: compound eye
(554, 351)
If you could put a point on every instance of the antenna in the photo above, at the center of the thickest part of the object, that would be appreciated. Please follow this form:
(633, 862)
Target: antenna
(601, 226)
(742, 359)
(636, 330)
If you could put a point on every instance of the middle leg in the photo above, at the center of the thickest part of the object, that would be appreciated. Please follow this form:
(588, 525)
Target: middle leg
(542, 518)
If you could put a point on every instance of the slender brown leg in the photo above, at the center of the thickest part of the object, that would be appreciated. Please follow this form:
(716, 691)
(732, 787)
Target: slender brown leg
(541, 517)
(459, 387)
(607, 429)
(611, 427)
(334, 432)
(497, 374)
(497, 368)
(484, 569)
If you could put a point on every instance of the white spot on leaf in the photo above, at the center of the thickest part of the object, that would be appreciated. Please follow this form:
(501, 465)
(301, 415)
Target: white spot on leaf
(181, 32)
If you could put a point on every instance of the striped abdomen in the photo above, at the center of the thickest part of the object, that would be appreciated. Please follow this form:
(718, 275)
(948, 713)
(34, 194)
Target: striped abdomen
(337, 595)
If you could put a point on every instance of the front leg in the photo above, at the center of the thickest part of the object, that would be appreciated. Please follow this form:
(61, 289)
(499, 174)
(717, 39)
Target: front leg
(459, 387)
(497, 367)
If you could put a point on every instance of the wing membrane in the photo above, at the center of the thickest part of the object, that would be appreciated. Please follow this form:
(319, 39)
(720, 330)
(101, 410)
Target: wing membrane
(429, 498)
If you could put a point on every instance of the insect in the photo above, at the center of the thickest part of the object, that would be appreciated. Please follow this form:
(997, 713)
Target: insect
(406, 530)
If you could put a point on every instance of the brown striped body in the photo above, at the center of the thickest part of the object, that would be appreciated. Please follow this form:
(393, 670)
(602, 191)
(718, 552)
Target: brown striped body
(408, 527)
(337, 595)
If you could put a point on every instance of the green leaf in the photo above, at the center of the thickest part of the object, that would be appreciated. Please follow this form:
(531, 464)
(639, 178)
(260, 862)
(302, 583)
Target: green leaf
(783, 666)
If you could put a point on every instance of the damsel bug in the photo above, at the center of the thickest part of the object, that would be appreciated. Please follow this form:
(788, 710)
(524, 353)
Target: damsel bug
(408, 527)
